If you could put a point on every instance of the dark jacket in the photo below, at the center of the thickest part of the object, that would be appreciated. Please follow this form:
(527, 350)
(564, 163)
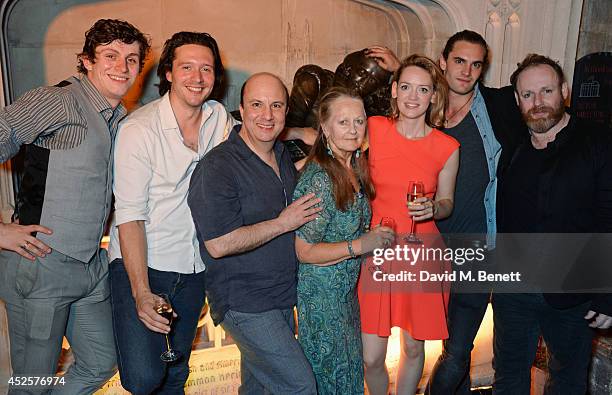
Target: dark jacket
(574, 196)
(504, 115)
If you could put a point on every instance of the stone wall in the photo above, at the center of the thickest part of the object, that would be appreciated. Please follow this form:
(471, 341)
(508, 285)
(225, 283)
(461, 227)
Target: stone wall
(595, 28)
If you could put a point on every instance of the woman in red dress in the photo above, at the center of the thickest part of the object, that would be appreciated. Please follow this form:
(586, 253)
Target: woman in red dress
(407, 147)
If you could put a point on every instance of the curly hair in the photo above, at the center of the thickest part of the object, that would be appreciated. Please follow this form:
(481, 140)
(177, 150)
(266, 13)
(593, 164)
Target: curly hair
(434, 117)
(104, 32)
(184, 38)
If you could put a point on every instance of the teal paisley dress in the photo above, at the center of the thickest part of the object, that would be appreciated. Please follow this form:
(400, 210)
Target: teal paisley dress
(328, 310)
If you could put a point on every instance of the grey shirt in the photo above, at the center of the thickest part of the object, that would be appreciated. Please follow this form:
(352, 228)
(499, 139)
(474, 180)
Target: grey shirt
(469, 214)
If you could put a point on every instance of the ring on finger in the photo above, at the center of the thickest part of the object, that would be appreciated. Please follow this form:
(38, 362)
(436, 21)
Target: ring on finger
(25, 245)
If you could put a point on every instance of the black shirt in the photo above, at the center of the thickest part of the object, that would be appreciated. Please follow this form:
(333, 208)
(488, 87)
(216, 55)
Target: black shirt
(521, 191)
(575, 167)
(232, 187)
(469, 215)
(570, 189)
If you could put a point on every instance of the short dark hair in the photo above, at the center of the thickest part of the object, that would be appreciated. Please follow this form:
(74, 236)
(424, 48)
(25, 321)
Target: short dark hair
(533, 60)
(275, 76)
(471, 37)
(104, 32)
(185, 38)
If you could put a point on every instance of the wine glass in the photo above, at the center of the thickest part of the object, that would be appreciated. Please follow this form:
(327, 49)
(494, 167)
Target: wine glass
(416, 190)
(164, 308)
(388, 222)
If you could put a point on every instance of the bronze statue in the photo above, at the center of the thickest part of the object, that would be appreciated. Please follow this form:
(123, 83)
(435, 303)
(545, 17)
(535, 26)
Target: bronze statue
(361, 73)
(309, 82)
(357, 72)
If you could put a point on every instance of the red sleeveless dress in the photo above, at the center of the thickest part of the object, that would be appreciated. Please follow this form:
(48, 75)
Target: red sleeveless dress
(394, 161)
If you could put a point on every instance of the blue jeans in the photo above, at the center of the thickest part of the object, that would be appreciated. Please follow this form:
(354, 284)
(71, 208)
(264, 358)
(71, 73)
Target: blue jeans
(272, 360)
(451, 373)
(519, 319)
(138, 348)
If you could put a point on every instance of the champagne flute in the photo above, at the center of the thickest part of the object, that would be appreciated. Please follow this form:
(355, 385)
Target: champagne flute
(388, 222)
(416, 190)
(164, 308)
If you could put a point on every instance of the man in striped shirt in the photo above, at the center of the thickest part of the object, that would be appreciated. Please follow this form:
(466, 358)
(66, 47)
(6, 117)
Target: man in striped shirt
(68, 132)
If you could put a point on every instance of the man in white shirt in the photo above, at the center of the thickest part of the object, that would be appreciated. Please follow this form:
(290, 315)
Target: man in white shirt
(154, 248)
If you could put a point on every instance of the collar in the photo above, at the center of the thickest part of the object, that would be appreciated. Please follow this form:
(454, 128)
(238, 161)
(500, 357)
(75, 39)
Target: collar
(478, 99)
(243, 149)
(168, 119)
(98, 101)
(562, 136)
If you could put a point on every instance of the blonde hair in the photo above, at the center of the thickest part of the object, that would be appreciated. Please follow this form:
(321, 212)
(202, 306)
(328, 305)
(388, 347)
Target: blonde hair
(434, 116)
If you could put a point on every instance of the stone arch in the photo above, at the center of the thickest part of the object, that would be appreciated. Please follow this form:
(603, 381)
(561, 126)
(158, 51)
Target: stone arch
(424, 26)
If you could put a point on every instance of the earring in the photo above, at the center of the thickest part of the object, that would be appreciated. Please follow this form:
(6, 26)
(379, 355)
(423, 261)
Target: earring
(358, 153)
(328, 147)
(329, 151)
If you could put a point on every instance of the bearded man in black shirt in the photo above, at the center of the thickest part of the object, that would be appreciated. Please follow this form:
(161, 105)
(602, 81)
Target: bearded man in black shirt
(557, 180)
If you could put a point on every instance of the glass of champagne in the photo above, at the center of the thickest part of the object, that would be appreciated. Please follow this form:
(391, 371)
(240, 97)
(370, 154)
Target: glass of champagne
(388, 222)
(164, 308)
(416, 190)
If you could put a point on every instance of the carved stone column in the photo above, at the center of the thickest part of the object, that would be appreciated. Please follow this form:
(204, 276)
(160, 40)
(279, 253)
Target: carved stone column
(515, 28)
(502, 32)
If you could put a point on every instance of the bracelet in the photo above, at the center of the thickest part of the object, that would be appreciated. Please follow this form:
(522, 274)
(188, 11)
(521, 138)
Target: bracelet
(349, 244)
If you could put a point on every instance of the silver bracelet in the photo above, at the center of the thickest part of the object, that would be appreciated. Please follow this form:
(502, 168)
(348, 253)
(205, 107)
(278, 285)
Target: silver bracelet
(349, 243)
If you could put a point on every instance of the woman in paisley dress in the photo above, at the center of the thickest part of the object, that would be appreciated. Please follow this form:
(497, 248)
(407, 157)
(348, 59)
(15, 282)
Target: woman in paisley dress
(329, 247)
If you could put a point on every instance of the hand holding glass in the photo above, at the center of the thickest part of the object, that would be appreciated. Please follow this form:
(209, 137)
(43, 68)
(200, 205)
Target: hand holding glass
(388, 222)
(164, 308)
(416, 189)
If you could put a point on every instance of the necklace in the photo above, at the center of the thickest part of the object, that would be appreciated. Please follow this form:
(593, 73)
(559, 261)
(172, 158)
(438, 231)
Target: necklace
(447, 121)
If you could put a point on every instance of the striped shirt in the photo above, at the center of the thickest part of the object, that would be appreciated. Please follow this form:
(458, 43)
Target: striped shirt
(51, 118)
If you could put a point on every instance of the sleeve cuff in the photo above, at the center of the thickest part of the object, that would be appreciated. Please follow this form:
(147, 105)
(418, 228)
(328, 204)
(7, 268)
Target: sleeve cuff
(8, 147)
(122, 217)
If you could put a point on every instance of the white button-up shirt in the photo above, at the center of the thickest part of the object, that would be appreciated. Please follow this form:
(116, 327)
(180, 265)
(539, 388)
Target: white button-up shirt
(151, 180)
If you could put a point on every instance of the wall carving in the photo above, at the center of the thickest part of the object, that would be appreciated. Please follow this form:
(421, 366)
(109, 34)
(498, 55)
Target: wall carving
(502, 32)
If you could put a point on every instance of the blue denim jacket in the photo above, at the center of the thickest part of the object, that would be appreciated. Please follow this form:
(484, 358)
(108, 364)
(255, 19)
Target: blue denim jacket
(492, 149)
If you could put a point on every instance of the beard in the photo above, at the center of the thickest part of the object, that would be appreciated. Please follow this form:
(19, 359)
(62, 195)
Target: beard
(542, 124)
